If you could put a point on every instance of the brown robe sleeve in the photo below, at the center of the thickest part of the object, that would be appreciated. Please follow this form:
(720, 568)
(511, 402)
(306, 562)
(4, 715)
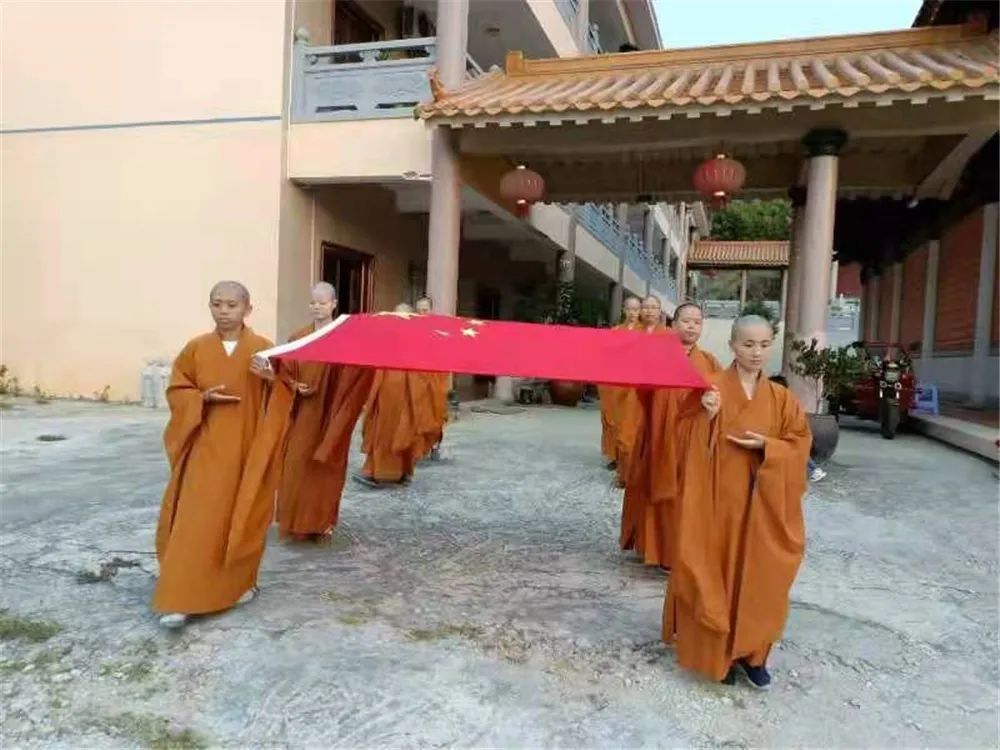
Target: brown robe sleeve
(186, 408)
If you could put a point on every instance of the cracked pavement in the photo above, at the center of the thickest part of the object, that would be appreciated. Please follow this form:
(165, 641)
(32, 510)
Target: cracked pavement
(486, 605)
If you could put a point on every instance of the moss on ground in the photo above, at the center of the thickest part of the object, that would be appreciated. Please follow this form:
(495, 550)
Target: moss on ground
(17, 628)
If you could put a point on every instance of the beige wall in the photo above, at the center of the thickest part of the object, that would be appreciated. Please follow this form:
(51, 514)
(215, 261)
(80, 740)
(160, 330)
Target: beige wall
(316, 16)
(364, 218)
(84, 62)
(371, 150)
(111, 240)
(145, 163)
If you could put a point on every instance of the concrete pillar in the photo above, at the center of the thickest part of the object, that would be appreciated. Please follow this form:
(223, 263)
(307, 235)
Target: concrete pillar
(790, 310)
(445, 225)
(834, 279)
(823, 147)
(817, 232)
(617, 302)
(784, 294)
(985, 304)
(567, 258)
(875, 300)
(895, 315)
(743, 288)
(930, 305)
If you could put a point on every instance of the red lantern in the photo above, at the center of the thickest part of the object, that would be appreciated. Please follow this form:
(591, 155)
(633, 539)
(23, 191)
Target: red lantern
(522, 186)
(719, 178)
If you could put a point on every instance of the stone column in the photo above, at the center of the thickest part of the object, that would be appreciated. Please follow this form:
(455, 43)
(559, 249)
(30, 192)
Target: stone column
(823, 147)
(834, 279)
(616, 303)
(790, 311)
(784, 295)
(875, 296)
(743, 289)
(567, 258)
(895, 317)
(445, 225)
(985, 304)
(930, 308)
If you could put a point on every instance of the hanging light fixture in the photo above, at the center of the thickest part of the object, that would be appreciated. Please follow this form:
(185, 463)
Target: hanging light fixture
(522, 186)
(719, 178)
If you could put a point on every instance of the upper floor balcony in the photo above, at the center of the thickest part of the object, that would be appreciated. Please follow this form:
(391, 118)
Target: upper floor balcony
(627, 245)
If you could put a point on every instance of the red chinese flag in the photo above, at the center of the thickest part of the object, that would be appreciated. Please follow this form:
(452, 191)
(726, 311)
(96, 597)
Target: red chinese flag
(441, 343)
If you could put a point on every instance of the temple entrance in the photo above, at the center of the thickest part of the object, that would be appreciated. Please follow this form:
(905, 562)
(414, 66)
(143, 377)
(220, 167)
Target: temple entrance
(350, 272)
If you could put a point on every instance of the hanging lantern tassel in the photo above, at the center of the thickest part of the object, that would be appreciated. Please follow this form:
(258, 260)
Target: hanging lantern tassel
(522, 187)
(719, 178)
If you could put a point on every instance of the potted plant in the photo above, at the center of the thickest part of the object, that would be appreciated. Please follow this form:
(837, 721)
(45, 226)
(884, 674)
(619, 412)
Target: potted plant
(832, 372)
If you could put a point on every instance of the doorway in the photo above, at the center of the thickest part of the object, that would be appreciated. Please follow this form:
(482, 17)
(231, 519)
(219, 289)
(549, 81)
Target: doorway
(350, 272)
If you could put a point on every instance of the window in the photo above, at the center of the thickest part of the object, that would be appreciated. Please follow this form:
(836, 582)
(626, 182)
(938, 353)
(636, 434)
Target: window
(351, 25)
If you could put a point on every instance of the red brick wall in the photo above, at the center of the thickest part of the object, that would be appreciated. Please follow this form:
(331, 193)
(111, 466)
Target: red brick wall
(958, 281)
(911, 310)
(885, 282)
(849, 280)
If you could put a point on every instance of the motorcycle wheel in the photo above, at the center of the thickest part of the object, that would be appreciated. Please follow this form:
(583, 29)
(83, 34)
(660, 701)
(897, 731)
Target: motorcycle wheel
(888, 417)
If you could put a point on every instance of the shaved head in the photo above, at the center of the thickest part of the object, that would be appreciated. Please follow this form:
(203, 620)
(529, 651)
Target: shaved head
(746, 322)
(230, 286)
(687, 306)
(424, 305)
(325, 289)
(402, 307)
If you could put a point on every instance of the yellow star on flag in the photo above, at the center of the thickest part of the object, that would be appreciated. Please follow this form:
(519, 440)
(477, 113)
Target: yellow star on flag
(441, 333)
(470, 332)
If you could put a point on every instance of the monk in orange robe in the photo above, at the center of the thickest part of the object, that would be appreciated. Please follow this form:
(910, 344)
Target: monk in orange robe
(653, 486)
(740, 537)
(434, 410)
(216, 405)
(629, 430)
(611, 396)
(397, 432)
(317, 400)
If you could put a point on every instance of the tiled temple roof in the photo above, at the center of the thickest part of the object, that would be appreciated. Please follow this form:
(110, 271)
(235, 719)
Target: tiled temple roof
(719, 254)
(911, 64)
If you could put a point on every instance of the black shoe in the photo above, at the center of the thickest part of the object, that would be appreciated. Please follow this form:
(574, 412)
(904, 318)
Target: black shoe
(366, 481)
(758, 677)
(611, 465)
(729, 679)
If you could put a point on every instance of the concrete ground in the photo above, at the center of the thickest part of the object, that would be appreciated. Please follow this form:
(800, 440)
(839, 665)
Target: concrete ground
(486, 605)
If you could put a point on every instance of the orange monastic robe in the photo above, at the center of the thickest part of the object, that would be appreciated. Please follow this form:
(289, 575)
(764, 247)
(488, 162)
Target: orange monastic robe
(396, 432)
(430, 406)
(740, 536)
(611, 398)
(652, 487)
(311, 486)
(207, 446)
(628, 434)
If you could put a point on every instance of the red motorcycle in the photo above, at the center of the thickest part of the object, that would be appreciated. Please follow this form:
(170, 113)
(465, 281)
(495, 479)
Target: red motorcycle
(887, 392)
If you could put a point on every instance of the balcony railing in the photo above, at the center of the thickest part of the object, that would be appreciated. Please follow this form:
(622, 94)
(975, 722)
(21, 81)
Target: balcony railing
(361, 81)
(594, 40)
(601, 222)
